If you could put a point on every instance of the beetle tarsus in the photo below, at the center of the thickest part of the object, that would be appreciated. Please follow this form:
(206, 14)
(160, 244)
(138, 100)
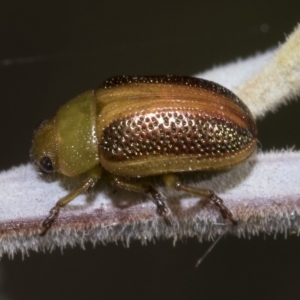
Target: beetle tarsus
(211, 195)
(47, 223)
(162, 210)
(161, 207)
(225, 212)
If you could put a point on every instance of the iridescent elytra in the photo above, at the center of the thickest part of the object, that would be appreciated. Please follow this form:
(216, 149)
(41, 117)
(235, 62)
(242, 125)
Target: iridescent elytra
(140, 126)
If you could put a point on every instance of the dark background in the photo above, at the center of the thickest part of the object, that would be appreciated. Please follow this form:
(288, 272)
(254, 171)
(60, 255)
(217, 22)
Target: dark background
(52, 50)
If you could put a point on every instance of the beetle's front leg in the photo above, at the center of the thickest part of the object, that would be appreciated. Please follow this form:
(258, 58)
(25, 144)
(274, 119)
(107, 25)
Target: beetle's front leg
(172, 180)
(161, 206)
(91, 179)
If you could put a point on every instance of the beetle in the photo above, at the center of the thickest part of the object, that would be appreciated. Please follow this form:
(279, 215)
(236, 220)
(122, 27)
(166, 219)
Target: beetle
(140, 126)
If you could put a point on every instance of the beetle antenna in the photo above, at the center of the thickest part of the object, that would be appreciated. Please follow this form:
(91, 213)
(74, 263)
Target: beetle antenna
(208, 250)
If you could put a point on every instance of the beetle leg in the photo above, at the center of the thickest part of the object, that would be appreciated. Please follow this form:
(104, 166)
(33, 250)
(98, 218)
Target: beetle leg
(172, 180)
(92, 177)
(161, 206)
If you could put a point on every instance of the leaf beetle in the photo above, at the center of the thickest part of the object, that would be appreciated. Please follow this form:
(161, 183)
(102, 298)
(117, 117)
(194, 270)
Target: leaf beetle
(146, 126)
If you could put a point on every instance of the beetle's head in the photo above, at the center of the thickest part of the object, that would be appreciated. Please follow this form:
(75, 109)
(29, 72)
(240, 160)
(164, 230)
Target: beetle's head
(44, 147)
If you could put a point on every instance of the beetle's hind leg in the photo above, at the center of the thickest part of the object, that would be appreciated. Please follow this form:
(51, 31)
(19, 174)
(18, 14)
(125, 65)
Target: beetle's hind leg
(172, 180)
(161, 206)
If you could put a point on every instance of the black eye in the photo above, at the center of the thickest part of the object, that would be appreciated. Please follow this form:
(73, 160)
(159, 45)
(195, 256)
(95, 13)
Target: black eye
(46, 165)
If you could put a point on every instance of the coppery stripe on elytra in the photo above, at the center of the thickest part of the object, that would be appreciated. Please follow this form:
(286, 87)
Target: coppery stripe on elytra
(171, 80)
(247, 122)
(177, 133)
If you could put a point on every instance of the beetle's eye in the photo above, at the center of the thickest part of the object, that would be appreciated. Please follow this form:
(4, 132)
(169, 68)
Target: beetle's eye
(46, 165)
